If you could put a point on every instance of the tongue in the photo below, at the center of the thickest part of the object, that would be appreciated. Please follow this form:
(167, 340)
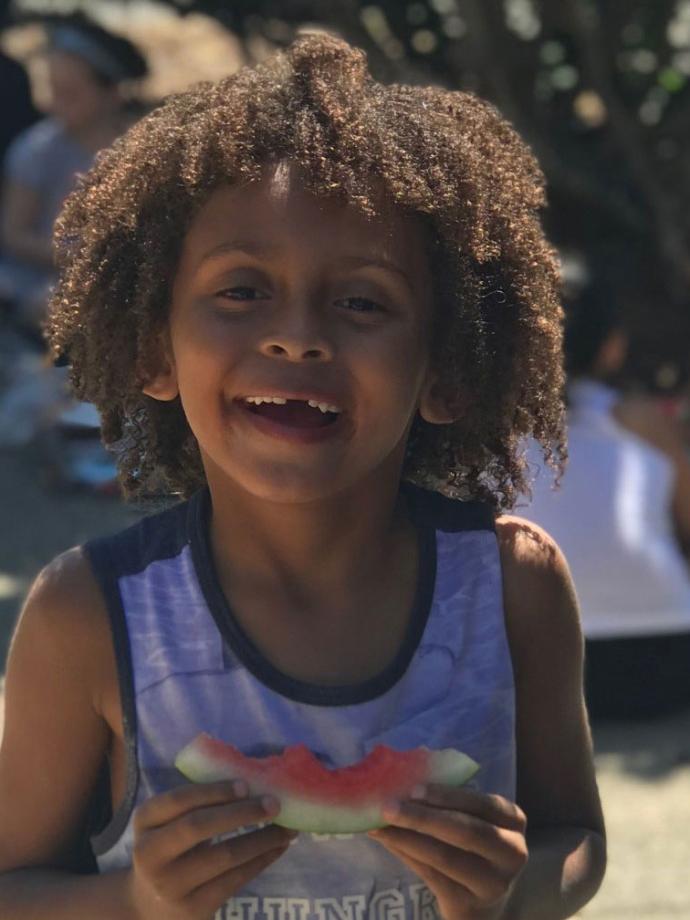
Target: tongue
(295, 413)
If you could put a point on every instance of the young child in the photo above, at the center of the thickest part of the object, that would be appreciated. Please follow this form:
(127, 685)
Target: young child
(321, 311)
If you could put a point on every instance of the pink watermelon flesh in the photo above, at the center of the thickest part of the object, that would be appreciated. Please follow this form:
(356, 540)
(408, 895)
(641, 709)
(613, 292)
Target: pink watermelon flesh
(314, 798)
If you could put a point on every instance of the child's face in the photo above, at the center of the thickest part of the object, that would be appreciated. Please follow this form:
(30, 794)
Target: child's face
(281, 294)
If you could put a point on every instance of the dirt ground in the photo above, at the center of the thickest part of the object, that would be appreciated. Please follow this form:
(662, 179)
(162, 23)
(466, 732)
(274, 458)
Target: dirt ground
(644, 771)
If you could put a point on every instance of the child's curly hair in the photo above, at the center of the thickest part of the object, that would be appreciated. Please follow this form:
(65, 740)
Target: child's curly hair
(446, 156)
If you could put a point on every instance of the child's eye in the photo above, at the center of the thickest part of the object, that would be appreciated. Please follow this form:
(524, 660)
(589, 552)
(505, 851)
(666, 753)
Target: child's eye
(360, 304)
(242, 292)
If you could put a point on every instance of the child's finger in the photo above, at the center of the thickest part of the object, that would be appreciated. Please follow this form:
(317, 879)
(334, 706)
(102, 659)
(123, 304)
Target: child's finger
(499, 845)
(206, 862)
(491, 808)
(207, 899)
(161, 809)
(482, 880)
(162, 844)
(442, 887)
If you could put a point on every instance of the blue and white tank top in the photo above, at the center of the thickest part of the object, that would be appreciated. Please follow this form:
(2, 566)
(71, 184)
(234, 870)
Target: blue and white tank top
(186, 666)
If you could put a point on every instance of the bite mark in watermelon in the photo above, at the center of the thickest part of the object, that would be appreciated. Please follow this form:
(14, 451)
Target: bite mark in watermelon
(312, 797)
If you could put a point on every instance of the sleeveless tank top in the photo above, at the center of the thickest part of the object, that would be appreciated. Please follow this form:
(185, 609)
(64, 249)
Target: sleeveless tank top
(612, 519)
(186, 666)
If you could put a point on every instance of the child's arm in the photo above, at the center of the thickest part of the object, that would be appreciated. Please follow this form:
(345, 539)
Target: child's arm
(53, 746)
(556, 781)
(55, 739)
(470, 848)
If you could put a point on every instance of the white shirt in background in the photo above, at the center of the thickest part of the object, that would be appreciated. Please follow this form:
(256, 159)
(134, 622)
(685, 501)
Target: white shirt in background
(612, 519)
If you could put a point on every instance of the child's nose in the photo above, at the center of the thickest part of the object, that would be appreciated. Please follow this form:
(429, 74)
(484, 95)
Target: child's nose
(294, 351)
(302, 341)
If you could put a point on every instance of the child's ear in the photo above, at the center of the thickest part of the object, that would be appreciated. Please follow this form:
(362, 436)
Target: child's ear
(163, 385)
(433, 405)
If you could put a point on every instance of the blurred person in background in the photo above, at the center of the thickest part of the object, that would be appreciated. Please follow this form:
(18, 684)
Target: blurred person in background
(622, 518)
(86, 68)
(18, 111)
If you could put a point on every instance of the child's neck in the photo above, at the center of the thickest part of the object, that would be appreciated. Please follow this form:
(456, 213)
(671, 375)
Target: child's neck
(320, 576)
(314, 547)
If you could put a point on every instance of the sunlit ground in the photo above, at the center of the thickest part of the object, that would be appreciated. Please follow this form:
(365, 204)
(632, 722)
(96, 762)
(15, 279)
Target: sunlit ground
(644, 780)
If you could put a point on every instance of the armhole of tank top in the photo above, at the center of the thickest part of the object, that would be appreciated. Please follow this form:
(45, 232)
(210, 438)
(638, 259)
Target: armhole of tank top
(103, 839)
(503, 619)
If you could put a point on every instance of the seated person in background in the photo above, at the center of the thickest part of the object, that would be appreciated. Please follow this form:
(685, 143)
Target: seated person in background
(622, 518)
(86, 68)
(17, 108)
(18, 111)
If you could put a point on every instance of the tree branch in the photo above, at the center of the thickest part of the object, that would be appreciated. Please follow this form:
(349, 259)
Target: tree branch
(628, 137)
(488, 60)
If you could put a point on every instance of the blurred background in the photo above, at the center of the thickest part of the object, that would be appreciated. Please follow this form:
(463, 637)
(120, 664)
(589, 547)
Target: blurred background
(600, 89)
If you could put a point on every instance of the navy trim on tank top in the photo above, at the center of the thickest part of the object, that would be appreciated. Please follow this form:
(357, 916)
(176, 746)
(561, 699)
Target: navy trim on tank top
(268, 674)
(447, 514)
(105, 837)
(455, 515)
(158, 536)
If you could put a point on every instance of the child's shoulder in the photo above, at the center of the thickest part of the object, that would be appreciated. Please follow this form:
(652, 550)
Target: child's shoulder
(540, 603)
(527, 547)
(64, 613)
(66, 609)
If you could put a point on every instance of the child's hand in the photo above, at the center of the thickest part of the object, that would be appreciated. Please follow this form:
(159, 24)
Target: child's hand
(469, 848)
(177, 873)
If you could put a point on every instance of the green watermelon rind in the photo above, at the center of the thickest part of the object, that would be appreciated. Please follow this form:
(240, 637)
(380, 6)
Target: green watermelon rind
(314, 815)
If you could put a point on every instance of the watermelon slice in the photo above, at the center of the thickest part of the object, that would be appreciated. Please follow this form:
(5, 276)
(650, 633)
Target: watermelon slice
(313, 798)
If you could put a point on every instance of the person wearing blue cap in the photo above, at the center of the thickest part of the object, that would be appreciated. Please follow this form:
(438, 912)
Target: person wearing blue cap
(86, 68)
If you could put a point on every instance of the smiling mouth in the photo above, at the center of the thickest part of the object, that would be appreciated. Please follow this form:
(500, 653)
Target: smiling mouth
(292, 413)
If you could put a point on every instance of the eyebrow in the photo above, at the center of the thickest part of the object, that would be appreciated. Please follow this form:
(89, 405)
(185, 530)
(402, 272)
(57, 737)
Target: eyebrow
(377, 262)
(255, 248)
(251, 247)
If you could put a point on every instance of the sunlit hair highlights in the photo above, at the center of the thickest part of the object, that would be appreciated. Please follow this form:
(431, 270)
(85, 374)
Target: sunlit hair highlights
(445, 156)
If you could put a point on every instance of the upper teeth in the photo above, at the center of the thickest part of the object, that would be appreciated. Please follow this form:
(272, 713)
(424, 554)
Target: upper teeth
(278, 400)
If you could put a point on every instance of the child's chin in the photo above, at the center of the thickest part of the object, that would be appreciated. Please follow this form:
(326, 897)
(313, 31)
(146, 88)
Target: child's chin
(289, 486)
